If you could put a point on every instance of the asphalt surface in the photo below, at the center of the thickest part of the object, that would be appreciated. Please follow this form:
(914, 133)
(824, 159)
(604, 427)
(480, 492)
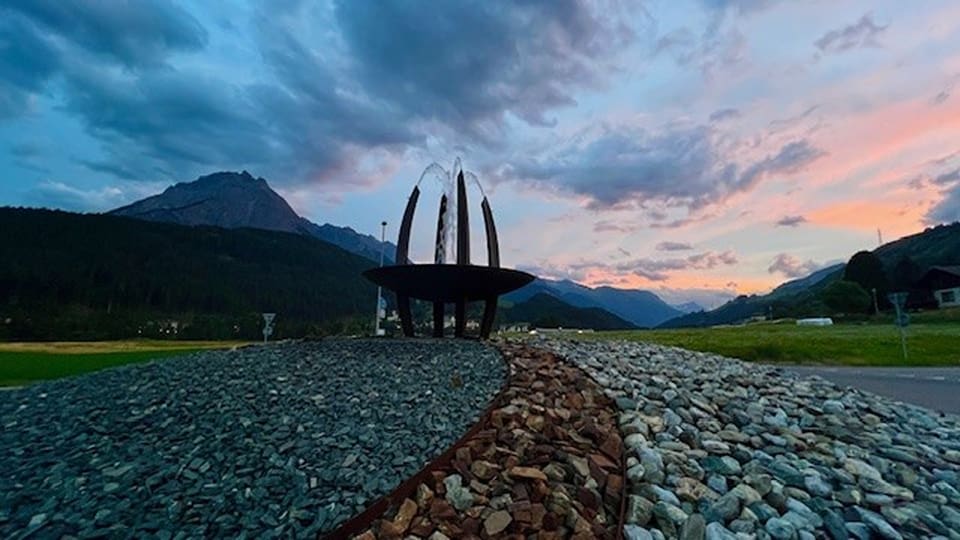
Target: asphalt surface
(934, 388)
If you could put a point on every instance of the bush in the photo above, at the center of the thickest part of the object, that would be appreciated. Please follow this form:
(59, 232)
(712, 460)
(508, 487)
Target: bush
(846, 297)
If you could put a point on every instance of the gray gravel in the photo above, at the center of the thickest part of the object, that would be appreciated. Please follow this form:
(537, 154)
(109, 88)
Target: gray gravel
(754, 451)
(288, 439)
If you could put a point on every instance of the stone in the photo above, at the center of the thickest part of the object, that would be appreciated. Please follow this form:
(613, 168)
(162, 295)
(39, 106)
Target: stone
(635, 474)
(817, 486)
(555, 472)
(763, 511)
(694, 528)
(457, 495)
(724, 465)
(669, 512)
(717, 483)
(780, 529)
(878, 524)
(861, 469)
(745, 526)
(639, 510)
(483, 470)
(665, 495)
(859, 530)
(689, 489)
(832, 406)
(716, 531)
(635, 441)
(497, 522)
(833, 523)
(723, 509)
(634, 532)
(716, 447)
(671, 418)
(850, 496)
(527, 473)
(745, 494)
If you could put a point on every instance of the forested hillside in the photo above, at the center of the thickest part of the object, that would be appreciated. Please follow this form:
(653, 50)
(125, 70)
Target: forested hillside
(73, 276)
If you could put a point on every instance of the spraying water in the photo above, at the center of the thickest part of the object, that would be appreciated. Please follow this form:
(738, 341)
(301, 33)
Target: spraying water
(447, 250)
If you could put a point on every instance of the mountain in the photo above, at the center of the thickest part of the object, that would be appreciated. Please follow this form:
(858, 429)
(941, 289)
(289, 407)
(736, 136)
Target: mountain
(934, 246)
(800, 297)
(109, 277)
(235, 200)
(640, 308)
(798, 285)
(543, 310)
(687, 307)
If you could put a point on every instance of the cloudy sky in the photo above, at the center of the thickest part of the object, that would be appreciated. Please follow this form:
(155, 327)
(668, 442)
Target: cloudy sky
(697, 149)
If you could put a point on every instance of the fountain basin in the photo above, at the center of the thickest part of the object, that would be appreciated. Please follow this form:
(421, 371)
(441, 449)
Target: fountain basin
(448, 283)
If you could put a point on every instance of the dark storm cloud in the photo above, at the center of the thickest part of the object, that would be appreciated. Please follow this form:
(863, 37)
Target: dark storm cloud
(863, 33)
(135, 33)
(677, 166)
(170, 115)
(673, 246)
(469, 64)
(947, 209)
(791, 221)
(27, 61)
(792, 267)
(313, 118)
(379, 78)
(791, 158)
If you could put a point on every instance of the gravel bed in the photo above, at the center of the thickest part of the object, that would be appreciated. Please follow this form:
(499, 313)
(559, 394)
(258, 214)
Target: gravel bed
(279, 440)
(721, 449)
(546, 464)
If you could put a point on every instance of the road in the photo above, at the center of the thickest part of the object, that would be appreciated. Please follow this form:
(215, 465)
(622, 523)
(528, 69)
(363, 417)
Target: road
(935, 388)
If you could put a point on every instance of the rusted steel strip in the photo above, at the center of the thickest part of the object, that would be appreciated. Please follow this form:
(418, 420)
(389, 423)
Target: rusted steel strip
(363, 520)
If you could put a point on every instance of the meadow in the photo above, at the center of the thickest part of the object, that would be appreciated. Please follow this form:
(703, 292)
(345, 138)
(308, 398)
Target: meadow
(23, 363)
(934, 343)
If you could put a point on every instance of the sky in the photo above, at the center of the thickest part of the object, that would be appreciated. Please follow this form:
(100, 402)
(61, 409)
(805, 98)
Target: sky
(699, 149)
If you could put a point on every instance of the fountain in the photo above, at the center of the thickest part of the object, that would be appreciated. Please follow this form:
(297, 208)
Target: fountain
(442, 283)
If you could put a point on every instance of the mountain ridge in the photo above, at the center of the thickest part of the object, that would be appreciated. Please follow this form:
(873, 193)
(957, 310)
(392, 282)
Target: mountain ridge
(639, 307)
(937, 245)
(235, 200)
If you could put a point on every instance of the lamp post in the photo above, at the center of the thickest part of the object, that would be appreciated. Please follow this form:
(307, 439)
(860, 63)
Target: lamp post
(376, 320)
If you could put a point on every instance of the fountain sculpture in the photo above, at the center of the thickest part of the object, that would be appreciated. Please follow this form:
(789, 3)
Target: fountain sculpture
(442, 283)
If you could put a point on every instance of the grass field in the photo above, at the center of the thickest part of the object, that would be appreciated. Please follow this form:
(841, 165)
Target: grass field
(928, 344)
(22, 363)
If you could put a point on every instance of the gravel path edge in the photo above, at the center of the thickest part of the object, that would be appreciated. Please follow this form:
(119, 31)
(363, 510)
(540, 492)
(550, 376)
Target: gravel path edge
(363, 520)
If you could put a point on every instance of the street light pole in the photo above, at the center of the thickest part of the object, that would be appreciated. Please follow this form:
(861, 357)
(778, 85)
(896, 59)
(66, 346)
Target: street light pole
(376, 314)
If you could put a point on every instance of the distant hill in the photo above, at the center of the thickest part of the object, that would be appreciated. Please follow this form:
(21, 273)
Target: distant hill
(687, 307)
(935, 246)
(544, 310)
(795, 286)
(234, 200)
(938, 245)
(73, 276)
(640, 308)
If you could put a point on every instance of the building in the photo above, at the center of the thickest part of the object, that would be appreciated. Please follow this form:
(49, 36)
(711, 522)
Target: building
(944, 283)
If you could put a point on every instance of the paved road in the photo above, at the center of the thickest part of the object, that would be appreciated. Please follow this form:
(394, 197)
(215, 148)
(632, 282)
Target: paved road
(935, 388)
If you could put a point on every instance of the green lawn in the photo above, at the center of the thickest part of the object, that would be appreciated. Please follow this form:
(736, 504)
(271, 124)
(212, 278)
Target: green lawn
(843, 344)
(22, 363)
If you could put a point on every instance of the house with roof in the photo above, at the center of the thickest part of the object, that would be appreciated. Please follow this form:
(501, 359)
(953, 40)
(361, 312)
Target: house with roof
(944, 284)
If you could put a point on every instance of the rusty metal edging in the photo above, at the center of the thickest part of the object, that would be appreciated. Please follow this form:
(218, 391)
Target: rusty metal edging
(363, 520)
